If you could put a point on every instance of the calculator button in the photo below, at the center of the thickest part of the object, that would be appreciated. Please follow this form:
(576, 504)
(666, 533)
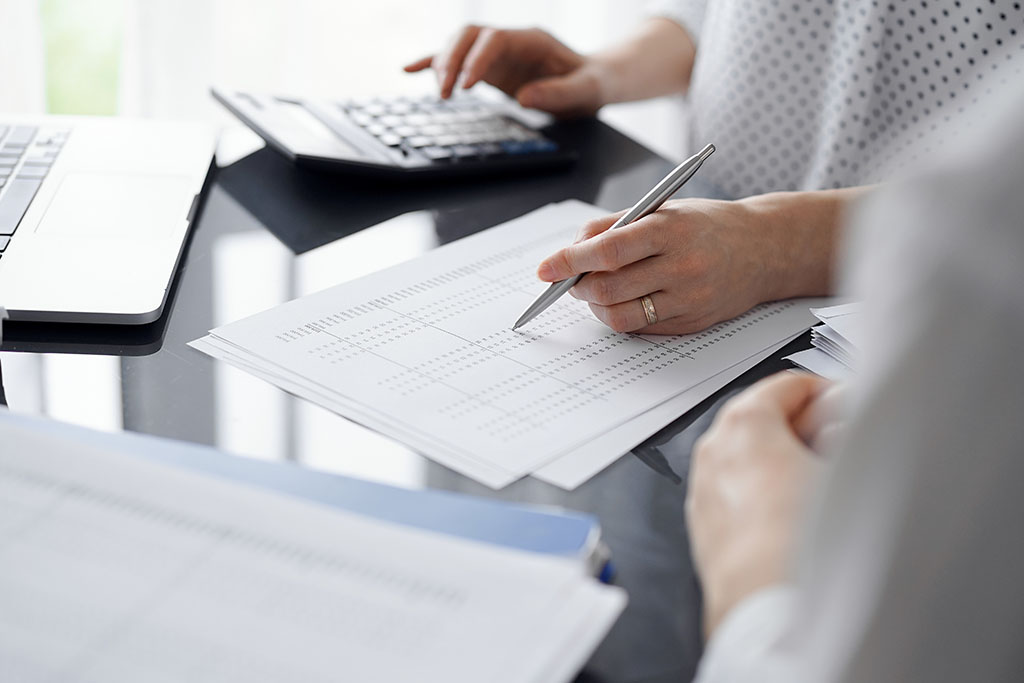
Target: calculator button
(392, 120)
(419, 119)
(529, 146)
(514, 147)
(438, 153)
(448, 140)
(463, 151)
(490, 149)
(516, 134)
(420, 141)
(361, 118)
(442, 118)
(390, 139)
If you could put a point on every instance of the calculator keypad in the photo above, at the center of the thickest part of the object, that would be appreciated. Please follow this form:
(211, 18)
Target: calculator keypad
(445, 130)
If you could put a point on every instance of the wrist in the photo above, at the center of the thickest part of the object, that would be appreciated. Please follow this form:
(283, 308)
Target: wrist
(752, 568)
(799, 233)
(606, 71)
(657, 60)
(768, 242)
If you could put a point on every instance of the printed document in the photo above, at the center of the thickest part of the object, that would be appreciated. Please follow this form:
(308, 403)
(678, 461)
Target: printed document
(118, 569)
(836, 342)
(424, 352)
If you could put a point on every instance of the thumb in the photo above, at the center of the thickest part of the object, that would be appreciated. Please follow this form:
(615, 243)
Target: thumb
(786, 393)
(573, 92)
(824, 409)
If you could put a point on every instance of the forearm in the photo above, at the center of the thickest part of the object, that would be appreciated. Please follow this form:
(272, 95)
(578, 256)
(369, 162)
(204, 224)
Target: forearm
(802, 231)
(656, 60)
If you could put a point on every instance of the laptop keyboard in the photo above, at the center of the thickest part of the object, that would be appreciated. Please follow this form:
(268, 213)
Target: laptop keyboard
(26, 155)
(445, 130)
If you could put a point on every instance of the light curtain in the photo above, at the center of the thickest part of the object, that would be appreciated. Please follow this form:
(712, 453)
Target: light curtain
(21, 53)
(174, 50)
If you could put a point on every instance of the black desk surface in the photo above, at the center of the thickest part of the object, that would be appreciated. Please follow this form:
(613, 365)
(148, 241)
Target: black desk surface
(269, 232)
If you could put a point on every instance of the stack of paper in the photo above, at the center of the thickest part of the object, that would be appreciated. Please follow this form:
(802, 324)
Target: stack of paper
(118, 569)
(835, 341)
(424, 352)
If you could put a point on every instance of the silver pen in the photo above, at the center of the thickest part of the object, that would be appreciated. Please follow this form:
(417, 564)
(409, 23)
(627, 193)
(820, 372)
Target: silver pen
(650, 203)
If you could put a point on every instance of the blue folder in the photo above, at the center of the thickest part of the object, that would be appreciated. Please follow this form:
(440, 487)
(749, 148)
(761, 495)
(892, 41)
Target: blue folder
(532, 528)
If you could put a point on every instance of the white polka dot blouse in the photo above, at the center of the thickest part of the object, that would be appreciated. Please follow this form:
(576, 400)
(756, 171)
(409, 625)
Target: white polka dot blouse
(815, 94)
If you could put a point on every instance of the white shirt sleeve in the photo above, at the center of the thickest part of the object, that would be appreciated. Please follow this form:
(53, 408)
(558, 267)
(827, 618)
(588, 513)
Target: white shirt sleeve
(747, 645)
(913, 556)
(687, 13)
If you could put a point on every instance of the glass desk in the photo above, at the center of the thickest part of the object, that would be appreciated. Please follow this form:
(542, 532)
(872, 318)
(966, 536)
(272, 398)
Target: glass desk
(267, 233)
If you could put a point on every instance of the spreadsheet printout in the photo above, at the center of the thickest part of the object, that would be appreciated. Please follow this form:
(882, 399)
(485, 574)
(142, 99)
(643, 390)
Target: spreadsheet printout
(115, 568)
(424, 351)
(574, 468)
(571, 469)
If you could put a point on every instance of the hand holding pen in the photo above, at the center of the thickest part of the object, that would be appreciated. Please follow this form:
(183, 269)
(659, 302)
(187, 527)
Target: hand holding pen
(698, 262)
(616, 263)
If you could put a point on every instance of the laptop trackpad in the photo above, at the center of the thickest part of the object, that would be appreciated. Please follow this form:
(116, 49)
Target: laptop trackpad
(117, 205)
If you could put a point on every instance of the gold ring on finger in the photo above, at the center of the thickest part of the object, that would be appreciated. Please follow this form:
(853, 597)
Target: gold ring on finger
(649, 311)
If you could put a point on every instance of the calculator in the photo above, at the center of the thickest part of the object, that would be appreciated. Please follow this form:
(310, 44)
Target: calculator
(409, 137)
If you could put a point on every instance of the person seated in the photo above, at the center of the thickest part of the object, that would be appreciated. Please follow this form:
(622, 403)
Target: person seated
(809, 104)
(892, 551)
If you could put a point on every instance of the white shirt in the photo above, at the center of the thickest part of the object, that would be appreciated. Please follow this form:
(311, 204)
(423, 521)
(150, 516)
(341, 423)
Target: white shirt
(810, 95)
(913, 561)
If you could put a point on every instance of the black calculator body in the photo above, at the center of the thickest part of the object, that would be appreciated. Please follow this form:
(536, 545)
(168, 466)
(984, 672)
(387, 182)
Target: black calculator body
(400, 137)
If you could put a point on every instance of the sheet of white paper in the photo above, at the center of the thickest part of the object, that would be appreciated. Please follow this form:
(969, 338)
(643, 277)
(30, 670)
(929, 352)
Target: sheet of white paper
(478, 470)
(831, 343)
(116, 569)
(844, 319)
(578, 466)
(423, 351)
(820, 363)
(574, 468)
(835, 337)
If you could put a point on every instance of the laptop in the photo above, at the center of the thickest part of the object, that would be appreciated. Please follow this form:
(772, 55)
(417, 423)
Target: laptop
(94, 213)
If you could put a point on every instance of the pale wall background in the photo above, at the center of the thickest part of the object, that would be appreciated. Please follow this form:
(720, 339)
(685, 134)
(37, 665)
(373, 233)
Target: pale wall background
(158, 58)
